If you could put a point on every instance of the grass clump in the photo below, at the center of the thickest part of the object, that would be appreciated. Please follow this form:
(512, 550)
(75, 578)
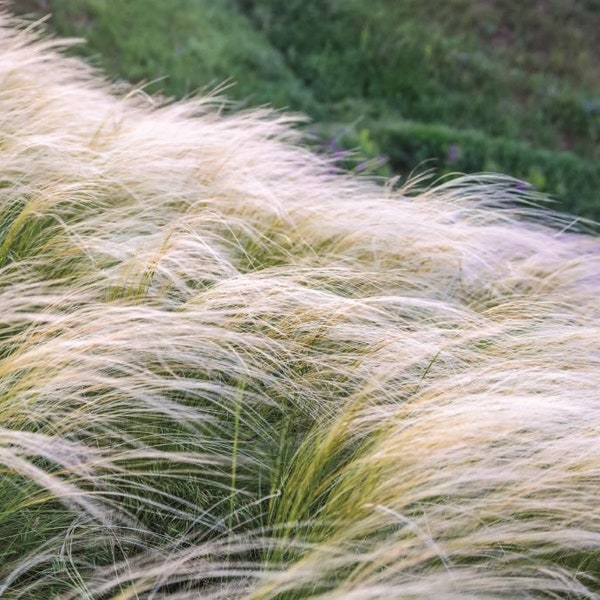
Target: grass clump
(229, 370)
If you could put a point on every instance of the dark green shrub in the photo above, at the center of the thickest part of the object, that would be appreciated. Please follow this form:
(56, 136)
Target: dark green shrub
(573, 181)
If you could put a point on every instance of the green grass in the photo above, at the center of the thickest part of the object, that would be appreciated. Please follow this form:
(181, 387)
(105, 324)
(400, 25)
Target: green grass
(505, 70)
(180, 48)
(499, 67)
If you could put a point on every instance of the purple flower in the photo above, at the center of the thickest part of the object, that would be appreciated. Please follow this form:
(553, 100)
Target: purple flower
(453, 154)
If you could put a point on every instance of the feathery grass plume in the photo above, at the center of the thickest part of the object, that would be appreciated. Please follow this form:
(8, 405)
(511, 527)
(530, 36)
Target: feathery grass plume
(229, 371)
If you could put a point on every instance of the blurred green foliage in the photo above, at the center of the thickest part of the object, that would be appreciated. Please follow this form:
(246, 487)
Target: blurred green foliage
(475, 85)
(179, 47)
(452, 150)
(459, 86)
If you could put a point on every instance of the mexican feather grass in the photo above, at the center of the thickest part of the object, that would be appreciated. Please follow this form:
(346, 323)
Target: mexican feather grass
(228, 370)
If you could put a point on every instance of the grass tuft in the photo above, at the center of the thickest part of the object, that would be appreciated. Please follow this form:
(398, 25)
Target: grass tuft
(229, 370)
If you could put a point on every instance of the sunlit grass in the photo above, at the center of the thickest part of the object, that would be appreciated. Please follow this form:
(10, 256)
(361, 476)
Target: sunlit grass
(228, 370)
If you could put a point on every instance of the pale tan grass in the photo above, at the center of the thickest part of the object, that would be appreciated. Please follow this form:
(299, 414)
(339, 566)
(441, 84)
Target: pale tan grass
(228, 370)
